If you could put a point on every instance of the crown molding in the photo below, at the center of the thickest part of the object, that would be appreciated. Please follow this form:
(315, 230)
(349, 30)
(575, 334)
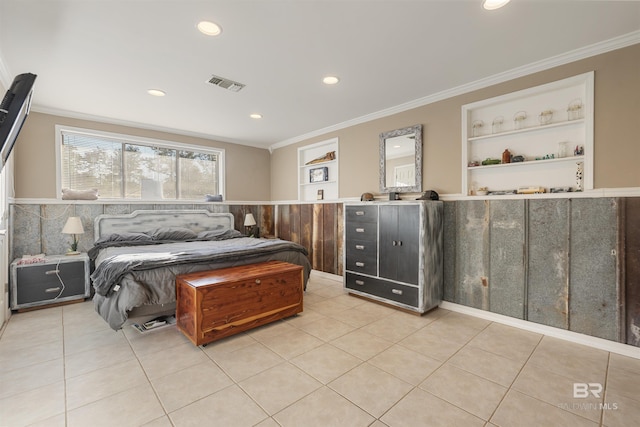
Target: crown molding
(545, 64)
(136, 125)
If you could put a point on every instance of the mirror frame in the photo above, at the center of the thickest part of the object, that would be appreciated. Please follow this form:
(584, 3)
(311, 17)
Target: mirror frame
(417, 188)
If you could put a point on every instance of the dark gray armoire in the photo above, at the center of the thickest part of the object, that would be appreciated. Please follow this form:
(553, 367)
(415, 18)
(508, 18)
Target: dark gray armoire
(393, 252)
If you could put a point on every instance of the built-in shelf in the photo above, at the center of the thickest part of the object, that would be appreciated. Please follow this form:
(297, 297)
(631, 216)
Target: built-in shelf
(314, 165)
(529, 129)
(558, 138)
(530, 163)
(309, 190)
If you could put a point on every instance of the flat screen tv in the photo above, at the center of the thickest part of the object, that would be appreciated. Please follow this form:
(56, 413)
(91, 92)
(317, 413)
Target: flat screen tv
(14, 110)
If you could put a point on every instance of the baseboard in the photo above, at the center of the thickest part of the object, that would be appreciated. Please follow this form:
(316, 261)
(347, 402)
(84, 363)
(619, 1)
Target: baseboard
(328, 276)
(599, 343)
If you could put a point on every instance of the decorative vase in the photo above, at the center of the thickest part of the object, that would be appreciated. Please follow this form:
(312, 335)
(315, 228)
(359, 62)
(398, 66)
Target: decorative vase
(579, 175)
(506, 156)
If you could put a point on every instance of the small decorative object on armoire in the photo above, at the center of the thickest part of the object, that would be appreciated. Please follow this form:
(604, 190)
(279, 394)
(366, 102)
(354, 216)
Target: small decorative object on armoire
(429, 195)
(366, 197)
(394, 196)
(74, 227)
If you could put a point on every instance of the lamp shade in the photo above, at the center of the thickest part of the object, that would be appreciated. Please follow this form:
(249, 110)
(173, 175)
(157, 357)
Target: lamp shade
(73, 226)
(249, 220)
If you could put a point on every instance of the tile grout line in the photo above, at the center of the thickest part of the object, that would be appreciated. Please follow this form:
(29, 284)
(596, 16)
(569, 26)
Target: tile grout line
(515, 379)
(155, 393)
(604, 389)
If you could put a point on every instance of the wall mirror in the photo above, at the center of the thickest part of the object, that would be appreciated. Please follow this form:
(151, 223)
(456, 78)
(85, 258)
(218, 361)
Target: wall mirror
(401, 160)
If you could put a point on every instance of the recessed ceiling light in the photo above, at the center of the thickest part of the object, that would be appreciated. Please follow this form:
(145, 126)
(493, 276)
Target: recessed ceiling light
(255, 116)
(494, 4)
(330, 80)
(209, 28)
(156, 92)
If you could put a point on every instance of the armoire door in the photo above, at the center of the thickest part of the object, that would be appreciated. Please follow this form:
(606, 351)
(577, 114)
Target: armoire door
(399, 242)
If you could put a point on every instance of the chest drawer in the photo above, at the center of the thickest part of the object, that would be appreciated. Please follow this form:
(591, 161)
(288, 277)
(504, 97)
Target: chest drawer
(392, 291)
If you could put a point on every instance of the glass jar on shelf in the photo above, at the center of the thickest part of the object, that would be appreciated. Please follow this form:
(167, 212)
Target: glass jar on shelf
(518, 120)
(496, 125)
(575, 110)
(476, 126)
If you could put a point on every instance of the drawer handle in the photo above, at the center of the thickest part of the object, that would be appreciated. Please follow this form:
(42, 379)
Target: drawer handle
(359, 230)
(360, 247)
(397, 243)
(360, 264)
(359, 213)
(52, 272)
(397, 291)
(50, 290)
(258, 281)
(360, 282)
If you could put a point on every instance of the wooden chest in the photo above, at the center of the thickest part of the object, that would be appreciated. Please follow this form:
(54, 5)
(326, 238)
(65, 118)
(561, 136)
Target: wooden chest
(218, 303)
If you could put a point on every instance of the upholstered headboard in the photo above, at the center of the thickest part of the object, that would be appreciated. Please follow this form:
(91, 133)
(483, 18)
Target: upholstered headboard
(141, 221)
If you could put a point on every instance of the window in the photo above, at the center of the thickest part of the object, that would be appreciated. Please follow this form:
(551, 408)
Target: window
(127, 167)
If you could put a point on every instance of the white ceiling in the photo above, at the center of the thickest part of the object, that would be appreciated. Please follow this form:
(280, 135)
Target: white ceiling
(96, 59)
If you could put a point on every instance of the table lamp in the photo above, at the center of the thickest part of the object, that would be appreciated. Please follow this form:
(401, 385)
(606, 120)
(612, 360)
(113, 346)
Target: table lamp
(249, 222)
(73, 227)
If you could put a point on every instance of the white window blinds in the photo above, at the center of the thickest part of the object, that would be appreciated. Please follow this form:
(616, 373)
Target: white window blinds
(122, 169)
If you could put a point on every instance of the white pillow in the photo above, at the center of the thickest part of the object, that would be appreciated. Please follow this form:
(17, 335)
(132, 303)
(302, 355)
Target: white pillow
(69, 194)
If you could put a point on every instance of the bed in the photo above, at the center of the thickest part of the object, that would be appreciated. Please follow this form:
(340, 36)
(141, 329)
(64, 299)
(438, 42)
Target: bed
(136, 257)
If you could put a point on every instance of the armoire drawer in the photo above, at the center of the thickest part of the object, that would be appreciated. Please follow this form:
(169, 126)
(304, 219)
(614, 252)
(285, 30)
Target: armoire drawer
(362, 257)
(362, 213)
(365, 231)
(389, 290)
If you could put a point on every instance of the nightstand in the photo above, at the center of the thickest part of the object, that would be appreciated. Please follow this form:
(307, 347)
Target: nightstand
(59, 278)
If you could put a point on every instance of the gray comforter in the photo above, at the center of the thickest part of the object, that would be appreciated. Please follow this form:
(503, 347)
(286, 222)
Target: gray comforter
(133, 276)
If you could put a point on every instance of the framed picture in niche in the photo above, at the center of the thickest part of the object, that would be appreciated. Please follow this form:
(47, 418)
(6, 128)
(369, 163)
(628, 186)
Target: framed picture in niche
(319, 174)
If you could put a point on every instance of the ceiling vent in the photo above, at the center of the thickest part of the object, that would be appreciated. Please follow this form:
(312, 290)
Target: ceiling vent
(225, 83)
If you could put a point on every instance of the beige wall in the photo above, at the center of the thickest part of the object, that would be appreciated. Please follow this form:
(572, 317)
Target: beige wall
(35, 167)
(253, 175)
(616, 129)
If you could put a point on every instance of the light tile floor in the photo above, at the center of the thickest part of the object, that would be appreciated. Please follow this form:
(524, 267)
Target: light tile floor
(343, 362)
